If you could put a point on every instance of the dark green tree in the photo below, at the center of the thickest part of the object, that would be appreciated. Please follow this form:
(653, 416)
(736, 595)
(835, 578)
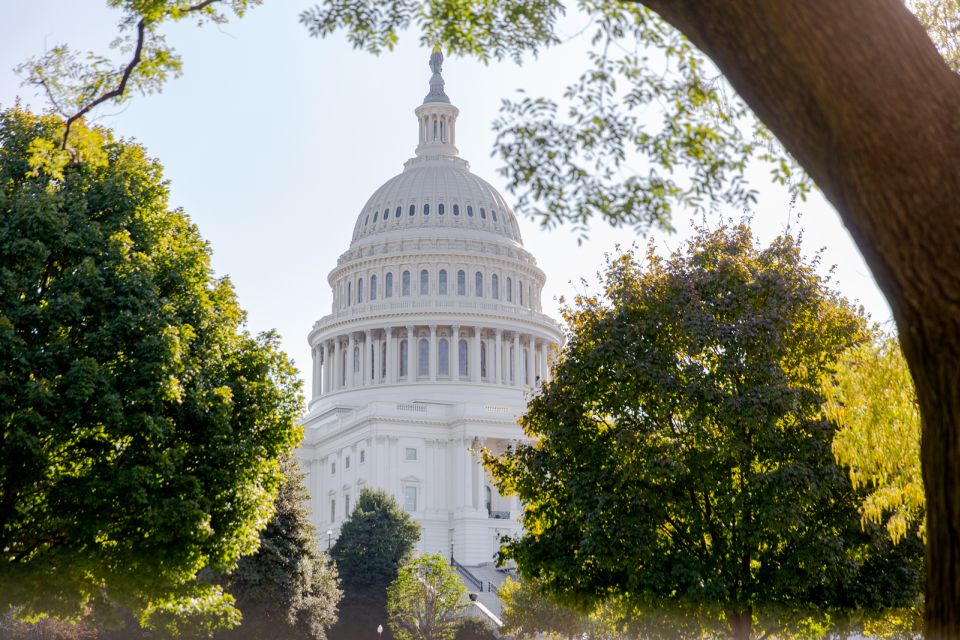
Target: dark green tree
(374, 542)
(682, 460)
(288, 587)
(141, 426)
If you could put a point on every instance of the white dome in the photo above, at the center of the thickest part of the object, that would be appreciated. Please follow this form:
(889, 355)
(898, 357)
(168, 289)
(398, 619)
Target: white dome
(436, 193)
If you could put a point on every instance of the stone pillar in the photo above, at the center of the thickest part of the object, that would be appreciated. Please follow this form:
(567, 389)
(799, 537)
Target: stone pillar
(412, 351)
(453, 353)
(366, 357)
(337, 364)
(317, 363)
(475, 365)
(544, 362)
(433, 353)
(351, 373)
(498, 361)
(516, 359)
(467, 489)
(479, 479)
(531, 362)
(391, 356)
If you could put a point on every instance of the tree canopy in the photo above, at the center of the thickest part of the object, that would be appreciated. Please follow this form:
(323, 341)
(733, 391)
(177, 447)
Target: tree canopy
(142, 425)
(681, 459)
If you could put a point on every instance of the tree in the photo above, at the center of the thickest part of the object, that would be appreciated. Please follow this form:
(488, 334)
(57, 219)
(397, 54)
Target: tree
(426, 600)
(374, 542)
(869, 117)
(872, 400)
(288, 587)
(141, 425)
(527, 613)
(681, 459)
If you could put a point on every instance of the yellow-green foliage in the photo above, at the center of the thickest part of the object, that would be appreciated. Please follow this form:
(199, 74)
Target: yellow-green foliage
(872, 398)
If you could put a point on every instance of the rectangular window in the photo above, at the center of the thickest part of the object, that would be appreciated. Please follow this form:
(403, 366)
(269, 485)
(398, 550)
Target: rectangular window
(346, 506)
(409, 498)
(333, 468)
(346, 463)
(411, 453)
(363, 456)
(333, 510)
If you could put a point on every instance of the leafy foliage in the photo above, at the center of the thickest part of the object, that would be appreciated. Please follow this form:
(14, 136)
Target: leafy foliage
(872, 399)
(374, 542)
(288, 587)
(682, 463)
(426, 600)
(141, 425)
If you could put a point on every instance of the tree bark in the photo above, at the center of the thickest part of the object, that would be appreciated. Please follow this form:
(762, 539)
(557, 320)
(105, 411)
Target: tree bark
(741, 623)
(858, 94)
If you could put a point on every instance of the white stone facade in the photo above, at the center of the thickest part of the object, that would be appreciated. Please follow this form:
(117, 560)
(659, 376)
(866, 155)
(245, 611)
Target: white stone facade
(435, 340)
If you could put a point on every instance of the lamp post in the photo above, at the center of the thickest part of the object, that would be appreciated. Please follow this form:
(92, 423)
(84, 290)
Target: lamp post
(329, 538)
(451, 553)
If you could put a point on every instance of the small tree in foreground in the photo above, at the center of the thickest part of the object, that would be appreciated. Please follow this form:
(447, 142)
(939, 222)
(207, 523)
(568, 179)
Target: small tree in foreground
(426, 600)
(682, 461)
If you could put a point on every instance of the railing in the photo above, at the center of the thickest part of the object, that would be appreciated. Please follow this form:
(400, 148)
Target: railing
(492, 588)
(477, 582)
(498, 515)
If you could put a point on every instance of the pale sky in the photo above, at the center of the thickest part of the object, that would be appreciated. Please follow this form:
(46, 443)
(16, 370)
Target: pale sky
(273, 141)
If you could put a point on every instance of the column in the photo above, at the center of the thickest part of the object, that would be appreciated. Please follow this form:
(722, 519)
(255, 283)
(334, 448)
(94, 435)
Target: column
(498, 364)
(412, 352)
(544, 363)
(391, 356)
(351, 372)
(467, 489)
(479, 479)
(475, 364)
(453, 354)
(531, 362)
(377, 364)
(365, 358)
(516, 359)
(315, 387)
(337, 363)
(433, 353)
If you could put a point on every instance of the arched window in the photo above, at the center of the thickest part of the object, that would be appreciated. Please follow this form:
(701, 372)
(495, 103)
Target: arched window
(462, 353)
(388, 293)
(513, 379)
(478, 284)
(405, 284)
(494, 287)
(461, 283)
(483, 359)
(443, 282)
(424, 282)
(423, 357)
(373, 287)
(440, 209)
(509, 290)
(349, 294)
(443, 357)
(359, 290)
(366, 220)
(469, 210)
(376, 214)
(483, 213)
(530, 297)
(396, 213)
(413, 210)
(383, 360)
(456, 209)
(386, 214)
(356, 358)
(426, 209)
(373, 373)
(343, 368)
(494, 214)
(403, 358)
(520, 291)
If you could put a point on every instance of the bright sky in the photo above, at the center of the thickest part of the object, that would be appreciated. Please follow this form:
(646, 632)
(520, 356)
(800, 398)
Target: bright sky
(273, 141)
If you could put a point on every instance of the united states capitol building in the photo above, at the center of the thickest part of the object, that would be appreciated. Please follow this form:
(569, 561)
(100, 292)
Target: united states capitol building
(434, 342)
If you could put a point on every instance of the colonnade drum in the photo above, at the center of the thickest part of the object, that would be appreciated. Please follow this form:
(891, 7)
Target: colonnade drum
(406, 389)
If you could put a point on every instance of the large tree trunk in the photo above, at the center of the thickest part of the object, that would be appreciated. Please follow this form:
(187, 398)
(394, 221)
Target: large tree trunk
(741, 623)
(856, 91)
